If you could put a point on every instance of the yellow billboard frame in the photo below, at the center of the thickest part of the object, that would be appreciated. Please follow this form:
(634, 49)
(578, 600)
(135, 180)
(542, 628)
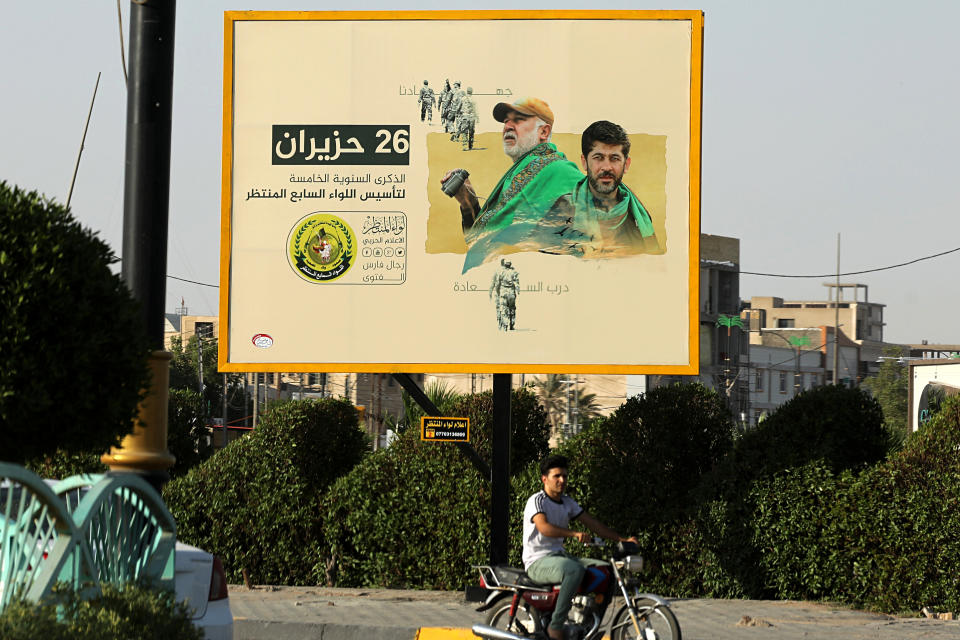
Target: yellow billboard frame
(694, 17)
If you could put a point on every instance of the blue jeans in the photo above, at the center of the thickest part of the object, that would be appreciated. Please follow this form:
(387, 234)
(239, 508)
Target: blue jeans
(567, 571)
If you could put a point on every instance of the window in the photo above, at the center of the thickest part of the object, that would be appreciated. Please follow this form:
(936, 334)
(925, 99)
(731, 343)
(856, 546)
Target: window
(761, 373)
(785, 323)
(783, 382)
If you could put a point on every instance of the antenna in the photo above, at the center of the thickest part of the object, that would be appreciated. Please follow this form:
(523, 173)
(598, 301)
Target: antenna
(76, 167)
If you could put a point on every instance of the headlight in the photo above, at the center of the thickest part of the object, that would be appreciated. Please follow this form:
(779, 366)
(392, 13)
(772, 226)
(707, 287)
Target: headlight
(633, 563)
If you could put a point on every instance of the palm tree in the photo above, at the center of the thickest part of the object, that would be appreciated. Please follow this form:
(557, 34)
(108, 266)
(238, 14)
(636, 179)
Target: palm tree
(552, 394)
(588, 408)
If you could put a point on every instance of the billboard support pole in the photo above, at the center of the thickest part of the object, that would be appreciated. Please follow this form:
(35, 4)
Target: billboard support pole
(500, 477)
(411, 387)
(146, 196)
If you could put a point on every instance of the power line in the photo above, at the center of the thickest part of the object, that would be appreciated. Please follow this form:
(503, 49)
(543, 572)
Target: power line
(202, 284)
(850, 273)
(744, 273)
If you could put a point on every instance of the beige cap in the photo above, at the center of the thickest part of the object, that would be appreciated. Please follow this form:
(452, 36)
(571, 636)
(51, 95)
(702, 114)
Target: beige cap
(526, 106)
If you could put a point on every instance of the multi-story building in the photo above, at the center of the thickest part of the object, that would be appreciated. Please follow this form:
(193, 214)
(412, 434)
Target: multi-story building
(861, 320)
(784, 362)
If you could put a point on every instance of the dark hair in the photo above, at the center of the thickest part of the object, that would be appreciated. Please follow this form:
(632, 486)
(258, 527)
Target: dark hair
(552, 462)
(607, 133)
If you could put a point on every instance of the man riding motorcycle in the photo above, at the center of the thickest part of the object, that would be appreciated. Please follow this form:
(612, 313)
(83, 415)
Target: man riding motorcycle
(546, 518)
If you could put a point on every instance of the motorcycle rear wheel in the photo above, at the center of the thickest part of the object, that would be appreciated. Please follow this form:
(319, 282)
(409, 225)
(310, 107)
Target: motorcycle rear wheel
(525, 623)
(656, 621)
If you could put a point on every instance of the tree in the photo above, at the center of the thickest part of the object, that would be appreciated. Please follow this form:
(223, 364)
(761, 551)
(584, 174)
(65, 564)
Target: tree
(441, 394)
(553, 397)
(185, 375)
(889, 386)
(73, 349)
(187, 436)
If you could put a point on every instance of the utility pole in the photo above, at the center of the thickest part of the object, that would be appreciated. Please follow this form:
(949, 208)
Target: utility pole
(200, 365)
(256, 398)
(836, 322)
(224, 410)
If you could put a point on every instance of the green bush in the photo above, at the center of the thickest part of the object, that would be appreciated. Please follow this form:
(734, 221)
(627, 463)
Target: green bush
(118, 613)
(747, 521)
(62, 464)
(68, 379)
(417, 514)
(902, 521)
(256, 503)
(635, 469)
(841, 426)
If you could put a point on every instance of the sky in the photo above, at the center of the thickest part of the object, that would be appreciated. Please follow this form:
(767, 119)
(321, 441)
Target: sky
(819, 118)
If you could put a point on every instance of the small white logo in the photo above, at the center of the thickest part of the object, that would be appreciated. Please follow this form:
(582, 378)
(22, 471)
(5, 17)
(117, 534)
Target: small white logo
(263, 341)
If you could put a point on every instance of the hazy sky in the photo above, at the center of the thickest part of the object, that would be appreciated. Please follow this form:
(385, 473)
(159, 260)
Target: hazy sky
(819, 117)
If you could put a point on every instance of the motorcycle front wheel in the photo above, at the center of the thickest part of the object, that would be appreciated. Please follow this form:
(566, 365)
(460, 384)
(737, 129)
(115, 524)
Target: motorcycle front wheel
(525, 623)
(656, 622)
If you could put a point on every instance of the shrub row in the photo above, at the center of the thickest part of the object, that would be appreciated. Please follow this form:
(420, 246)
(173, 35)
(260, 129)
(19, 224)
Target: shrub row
(256, 503)
(417, 514)
(118, 613)
(804, 506)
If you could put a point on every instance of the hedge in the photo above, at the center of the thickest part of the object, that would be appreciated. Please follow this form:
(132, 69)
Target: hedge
(118, 613)
(256, 503)
(417, 514)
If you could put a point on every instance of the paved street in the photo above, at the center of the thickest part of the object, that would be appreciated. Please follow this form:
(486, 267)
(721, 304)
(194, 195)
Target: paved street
(295, 613)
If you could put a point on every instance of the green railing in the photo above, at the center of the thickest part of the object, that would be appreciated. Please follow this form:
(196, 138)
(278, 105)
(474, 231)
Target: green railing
(85, 530)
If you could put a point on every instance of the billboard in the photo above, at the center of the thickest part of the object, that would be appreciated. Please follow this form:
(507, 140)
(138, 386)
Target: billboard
(474, 192)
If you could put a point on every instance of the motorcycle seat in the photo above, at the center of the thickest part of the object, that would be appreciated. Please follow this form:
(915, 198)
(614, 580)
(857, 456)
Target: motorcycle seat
(514, 577)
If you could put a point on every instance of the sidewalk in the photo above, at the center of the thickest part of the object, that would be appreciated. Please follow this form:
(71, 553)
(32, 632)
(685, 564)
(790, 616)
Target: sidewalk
(301, 613)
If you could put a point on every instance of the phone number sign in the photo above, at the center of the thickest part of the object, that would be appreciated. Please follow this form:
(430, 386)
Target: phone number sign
(445, 429)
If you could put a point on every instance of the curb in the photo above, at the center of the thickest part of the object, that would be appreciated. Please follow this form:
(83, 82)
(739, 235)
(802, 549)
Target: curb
(267, 630)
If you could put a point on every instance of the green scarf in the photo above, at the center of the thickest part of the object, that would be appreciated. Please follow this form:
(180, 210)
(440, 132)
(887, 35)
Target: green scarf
(626, 218)
(518, 202)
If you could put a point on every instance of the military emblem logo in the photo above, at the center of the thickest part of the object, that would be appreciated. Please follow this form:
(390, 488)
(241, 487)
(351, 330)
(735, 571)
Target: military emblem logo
(322, 247)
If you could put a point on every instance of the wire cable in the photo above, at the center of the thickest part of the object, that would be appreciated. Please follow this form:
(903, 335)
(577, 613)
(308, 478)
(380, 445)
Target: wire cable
(850, 273)
(743, 273)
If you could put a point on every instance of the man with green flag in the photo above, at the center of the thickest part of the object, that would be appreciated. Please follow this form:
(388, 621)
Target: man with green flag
(601, 217)
(540, 174)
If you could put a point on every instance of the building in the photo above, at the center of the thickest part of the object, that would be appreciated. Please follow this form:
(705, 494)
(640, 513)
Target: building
(785, 362)
(861, 320)
(724, 348)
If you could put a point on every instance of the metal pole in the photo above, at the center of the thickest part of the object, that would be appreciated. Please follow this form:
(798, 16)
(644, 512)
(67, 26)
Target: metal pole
(200, 365)
(146, 197)
(256, 399)
(224, 409)
(836, 321)
(146, 194)
(500, 471)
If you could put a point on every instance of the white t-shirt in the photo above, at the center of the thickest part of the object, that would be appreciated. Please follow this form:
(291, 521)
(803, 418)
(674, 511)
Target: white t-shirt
(559, 514)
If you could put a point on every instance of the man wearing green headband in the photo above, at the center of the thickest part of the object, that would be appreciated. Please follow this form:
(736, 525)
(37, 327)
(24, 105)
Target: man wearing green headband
(601, 217)
(540, 174)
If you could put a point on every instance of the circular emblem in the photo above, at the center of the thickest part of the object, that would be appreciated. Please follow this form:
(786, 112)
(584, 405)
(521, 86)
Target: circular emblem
(322, 247)
(262, 340)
